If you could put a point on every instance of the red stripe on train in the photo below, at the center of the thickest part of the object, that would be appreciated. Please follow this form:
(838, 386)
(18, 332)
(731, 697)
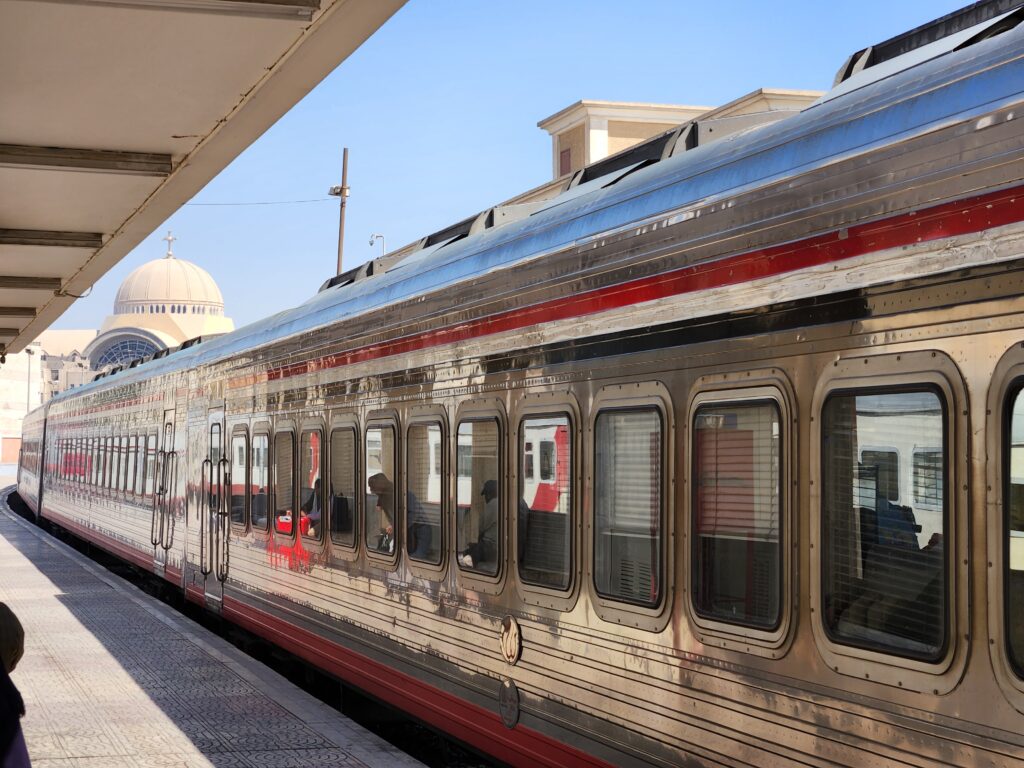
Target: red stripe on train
(476, 726)
(941, 221)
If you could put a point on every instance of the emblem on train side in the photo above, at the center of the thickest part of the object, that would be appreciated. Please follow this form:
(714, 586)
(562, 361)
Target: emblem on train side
(508, 703)
(511, 640)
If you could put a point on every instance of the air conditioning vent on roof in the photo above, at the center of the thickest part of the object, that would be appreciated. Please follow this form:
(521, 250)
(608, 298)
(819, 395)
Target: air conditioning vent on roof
(939, 29)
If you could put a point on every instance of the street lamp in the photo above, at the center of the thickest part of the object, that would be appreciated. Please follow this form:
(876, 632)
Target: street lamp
(374, 238)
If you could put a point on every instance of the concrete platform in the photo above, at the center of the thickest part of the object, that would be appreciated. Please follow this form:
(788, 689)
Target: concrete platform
(113, 678)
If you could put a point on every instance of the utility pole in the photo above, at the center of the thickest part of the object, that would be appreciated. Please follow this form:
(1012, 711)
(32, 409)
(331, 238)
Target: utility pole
(342, 193)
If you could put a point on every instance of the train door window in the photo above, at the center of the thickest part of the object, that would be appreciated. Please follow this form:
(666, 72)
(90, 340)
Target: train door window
(1013, 472)
(310, 486)
(628, 508)
(884, 566)
(425, 493)
(239, 476)
(343, 482)
(260, 481)
(379, 459)
(150, 463)
(284, 482)
(133, 452)
(478, 496)
(544, 518)
(737, 513)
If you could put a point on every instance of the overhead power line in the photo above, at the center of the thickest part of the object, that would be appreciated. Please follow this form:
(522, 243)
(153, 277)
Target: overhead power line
(270, 202)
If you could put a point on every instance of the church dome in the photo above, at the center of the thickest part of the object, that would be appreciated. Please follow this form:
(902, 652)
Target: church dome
(169, 286)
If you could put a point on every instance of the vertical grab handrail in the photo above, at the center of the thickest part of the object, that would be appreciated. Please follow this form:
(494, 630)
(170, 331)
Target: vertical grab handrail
(171, 478)
(156, 523)
(204, 524)
(222, 524)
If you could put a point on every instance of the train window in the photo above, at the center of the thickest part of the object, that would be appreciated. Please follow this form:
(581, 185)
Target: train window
(544, 518)
(1013, 471)
(424, 497)
(478, 497)
(239, 481)
(150, 463)
(310, 487)
(133, 452)
(628, 516)
(97, 461)
(884, 567)
(380, 489)
(140, 466)
(737, 513)
(284, 485)
(260, 481)
(344, 472)
(108, 461)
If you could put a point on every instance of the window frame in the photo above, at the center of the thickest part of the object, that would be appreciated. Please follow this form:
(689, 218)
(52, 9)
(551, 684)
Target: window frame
(313, 543)
(1008, 373)
(282, 428)
(745, 389)
(375, 558)
(428, 416)
(539, 405)
(637, 395)
(243, 431)
(480, 410)
(339, 549)
(910, 371)
(262, 429)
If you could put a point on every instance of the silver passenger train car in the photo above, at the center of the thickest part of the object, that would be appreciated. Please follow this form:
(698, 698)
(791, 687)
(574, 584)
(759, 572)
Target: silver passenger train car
(717, 458)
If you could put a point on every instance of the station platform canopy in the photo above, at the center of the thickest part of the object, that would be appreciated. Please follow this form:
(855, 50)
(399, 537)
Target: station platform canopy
(117, 112)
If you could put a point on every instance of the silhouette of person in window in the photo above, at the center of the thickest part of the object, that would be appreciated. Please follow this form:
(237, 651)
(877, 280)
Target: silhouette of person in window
(485, 548)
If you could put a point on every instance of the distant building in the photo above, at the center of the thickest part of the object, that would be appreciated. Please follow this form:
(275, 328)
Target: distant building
(159, 305)
(588, 131)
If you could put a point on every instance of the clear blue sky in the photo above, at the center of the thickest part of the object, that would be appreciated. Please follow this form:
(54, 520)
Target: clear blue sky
(439, 110)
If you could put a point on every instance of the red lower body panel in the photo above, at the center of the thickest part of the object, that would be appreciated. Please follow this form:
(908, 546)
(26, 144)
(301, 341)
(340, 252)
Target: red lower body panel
(478, 727)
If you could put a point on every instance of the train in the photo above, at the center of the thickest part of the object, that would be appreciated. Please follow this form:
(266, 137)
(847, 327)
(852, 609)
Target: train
(714, 458)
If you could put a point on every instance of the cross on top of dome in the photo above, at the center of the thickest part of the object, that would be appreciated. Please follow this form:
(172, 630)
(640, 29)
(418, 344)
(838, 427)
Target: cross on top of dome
(170, 241)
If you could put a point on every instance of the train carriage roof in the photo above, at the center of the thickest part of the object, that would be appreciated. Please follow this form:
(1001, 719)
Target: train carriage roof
(959, 79)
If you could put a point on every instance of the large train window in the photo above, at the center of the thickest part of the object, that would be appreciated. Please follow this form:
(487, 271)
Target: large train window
(260, 481)
(239, 476)
(310, 485)
(425, 495)
(628, 508)
(478, 496)
(379, 460)
(1013, 473)
(737, 521)
(284, 482)
(544, 518)
(883, 524)
(344, 471)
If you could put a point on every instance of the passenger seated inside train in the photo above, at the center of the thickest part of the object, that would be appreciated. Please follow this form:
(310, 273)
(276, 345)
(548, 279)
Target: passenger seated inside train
(897, 601)
(309, 522)
(485, 548)
(381, 487)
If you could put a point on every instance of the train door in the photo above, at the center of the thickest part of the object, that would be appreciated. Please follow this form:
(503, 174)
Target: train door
(165, 483)
(214, 517)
